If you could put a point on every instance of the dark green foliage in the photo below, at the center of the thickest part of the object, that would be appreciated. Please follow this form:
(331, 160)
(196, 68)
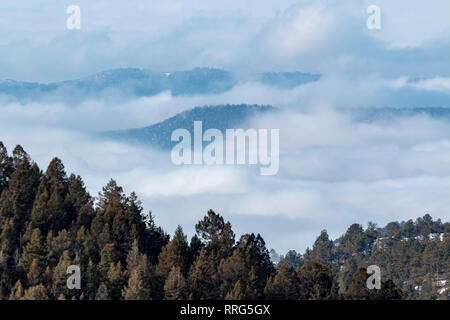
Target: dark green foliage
(175, 287)
(323, 248)
(212, 225)
(49, 221)
(220, 117)
(317, 281)
(6, 167)
(357, 288)
(285, 285)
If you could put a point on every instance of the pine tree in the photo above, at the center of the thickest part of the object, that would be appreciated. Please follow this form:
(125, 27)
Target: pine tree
(35, 249)
(133, 257)
(77, 196)
(17, 291)
(116, 281)
(111, 196)
(50, 209)
(253, 289)
(232, 270)
(16, 201)
(59, 281)
(155, 240)
(38, 292)
(317, 281)
(102, 293)
(204, 282)
(212, 224)
(109, 255)
(139, 283)
(175, 286)
(388, 291)
(174, 254)
(91, 280)
(285, 285)
(255, 254)
(323, 248)
(6, 167)
(237, 293)
(195, 247)
(34, 276)
(19, 156)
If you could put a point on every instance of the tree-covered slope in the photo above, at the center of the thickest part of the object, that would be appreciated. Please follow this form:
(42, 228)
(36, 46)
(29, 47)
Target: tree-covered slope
(48, 222)
(220, 117)
(136, 82)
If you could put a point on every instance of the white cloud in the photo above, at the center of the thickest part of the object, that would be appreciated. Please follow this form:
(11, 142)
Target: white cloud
(412, 24)
(319, 36)
(333, 171)
(300, 29)
(433, 84)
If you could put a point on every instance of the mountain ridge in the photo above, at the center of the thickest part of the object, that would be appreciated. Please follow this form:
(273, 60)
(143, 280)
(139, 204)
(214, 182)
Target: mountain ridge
(219, 117)
(144, 82)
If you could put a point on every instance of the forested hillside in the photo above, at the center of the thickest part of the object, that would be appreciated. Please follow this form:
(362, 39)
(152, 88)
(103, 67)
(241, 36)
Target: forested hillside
(136, 82)
(48, 221)
(415, 254)
(220, 117)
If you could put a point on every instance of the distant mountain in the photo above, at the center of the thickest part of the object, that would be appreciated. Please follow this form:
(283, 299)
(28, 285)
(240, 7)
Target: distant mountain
(220, 117)
(142, 82)
(386, 114)
(287, 80)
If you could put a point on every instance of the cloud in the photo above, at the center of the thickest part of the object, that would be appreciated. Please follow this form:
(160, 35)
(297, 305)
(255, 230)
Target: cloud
(412, 24)
(318, 36)
(299, 30)
(334, 170)
(434, 84)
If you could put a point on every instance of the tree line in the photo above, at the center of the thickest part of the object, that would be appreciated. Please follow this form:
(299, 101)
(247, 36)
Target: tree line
(48, 221)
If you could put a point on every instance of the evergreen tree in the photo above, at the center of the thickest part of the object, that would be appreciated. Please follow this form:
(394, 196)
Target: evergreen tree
(204, 282)
(19, 156)
(174, 254)
(175, 287)
(50, 209)
(317, 281)
(237, 293)
(139, 283)
(285, 285)
(38, 292)
(155, 240)
(59, 281)
(6, 167)
(17, 292)
(35, 249)
(16, 201)
(109, 255)
(90, 281)
(102, 292)
(35, 275)
(323, 248)
(116, 281)
(212, 224)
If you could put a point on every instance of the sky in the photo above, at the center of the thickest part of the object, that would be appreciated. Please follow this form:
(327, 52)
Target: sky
(334, 171)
